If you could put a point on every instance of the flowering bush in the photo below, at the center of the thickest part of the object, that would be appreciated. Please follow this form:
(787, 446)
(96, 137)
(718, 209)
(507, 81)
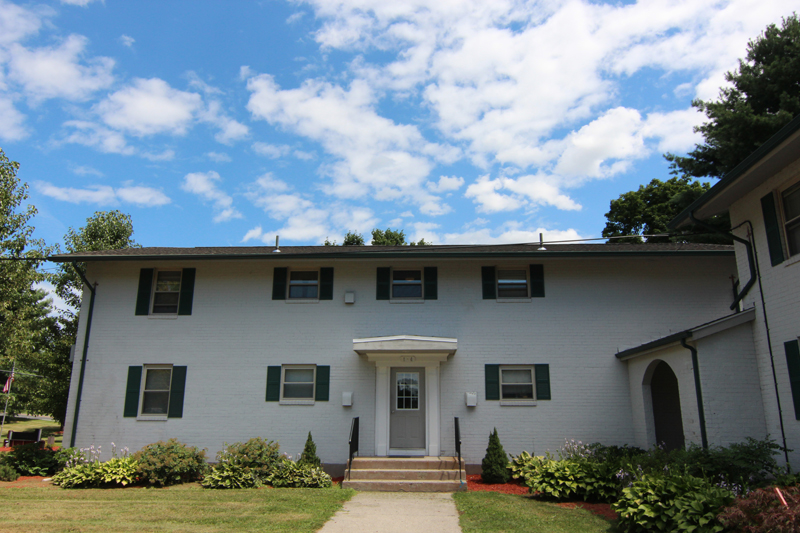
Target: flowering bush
(167, 463)
(82, 468)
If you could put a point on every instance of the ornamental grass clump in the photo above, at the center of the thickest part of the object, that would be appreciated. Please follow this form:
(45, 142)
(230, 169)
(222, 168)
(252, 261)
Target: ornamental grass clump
(169, 463)
(494, 467)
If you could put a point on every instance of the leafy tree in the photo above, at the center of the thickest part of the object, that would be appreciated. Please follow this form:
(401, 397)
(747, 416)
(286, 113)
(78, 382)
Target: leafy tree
(647, 211)
(22, 307)
(390, 237)
(353, 239)
(765, 96)
(494, 467)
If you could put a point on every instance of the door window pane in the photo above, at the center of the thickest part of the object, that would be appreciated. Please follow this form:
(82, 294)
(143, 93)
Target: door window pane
(407, 390)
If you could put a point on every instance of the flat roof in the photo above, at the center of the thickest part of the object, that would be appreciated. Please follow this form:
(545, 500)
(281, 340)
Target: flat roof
(370, 252)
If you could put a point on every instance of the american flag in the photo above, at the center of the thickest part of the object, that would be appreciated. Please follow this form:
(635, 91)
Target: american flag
(8, 383)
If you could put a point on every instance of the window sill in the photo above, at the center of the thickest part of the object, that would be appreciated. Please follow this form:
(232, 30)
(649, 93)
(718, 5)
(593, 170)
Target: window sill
(792, 261)
(301, 300)
(163, 317)
(409, 301)
(519, 403)
(152, 418)
(296, 402)
(513, 300)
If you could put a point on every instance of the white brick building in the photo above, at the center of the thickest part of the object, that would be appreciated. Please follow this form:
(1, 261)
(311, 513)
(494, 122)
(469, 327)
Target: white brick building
(210, 345)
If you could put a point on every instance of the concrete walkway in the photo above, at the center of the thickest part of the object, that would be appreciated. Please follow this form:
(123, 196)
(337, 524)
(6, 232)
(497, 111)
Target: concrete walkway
(396, 512)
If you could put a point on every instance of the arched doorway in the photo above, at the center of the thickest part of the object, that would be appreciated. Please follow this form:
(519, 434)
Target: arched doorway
(666, 407)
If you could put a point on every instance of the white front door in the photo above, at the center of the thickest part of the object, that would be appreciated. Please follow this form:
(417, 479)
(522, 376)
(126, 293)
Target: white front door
(407, 409)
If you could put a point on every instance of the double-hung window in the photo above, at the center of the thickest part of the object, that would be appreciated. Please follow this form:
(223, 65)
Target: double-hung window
(790, 199)
(406, 283)
(298, 384)
(517, 384)
(165, 292)
(512, 283)
(155, 392)
(304, 284)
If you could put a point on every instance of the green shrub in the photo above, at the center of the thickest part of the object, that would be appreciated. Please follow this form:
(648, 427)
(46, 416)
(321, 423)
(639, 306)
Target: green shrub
(8, 473)
(119, 471)
(30, 460)
(230, 476)
(256, 455)
(567, 479)
(168, 463)
(290, 474)
(761, 511)
(309, 455)
(671, 503)
(81, 475)
(494, 467)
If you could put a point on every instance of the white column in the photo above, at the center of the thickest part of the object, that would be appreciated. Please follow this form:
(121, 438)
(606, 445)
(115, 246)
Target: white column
(432, 408)
(382, 410)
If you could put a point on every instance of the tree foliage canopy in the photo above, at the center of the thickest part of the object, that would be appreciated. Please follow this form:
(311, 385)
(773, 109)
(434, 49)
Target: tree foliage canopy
(390, 237)
(648, 210)
(764, 97)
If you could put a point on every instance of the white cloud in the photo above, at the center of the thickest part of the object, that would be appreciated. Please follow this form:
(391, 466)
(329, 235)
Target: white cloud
(57, 304)
(510, 234)
(446, 184)
(675, 130)
(97, 136)
(59, 71)
(80, 3)
(205, 186)
(373, 155)
(87, 171)
(13, 122)
(230, 129)
(272, 151)
(17, 22)
(166, 155)
(149, 107)
(219, 157)
(509, 194)
(266, 184)
(253, 234)
(105, 195)
(127, 40)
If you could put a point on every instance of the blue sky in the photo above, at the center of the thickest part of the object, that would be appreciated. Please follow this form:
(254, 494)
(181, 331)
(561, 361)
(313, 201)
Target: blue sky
(225, 123)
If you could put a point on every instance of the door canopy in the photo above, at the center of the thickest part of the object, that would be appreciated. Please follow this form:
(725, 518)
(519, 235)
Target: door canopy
(423, 349)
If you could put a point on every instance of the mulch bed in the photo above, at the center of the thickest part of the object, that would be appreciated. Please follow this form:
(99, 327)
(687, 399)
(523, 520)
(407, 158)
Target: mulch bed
(475, 483)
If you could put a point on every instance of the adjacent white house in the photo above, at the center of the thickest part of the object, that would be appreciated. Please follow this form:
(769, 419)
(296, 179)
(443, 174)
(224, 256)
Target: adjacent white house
(215, 345)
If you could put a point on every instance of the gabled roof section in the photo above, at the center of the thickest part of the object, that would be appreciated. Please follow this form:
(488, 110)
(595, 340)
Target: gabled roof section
(388, 252)
(771, 157)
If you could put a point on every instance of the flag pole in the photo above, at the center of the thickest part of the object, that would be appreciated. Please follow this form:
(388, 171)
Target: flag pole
(8, 395)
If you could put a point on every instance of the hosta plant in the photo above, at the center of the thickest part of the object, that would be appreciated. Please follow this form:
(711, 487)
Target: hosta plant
(230, 476)
(290, 474)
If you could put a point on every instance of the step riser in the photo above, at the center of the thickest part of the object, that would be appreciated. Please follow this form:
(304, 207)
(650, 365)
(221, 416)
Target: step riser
(406, 486)
(404, 464)
(407, 475)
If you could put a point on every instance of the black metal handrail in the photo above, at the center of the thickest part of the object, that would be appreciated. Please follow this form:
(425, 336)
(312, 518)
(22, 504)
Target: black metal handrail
(458, 447)
(353, 444)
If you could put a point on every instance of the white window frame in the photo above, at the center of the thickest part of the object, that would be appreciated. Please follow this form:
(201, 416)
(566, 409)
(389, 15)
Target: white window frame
(150, 416)
(526, 298)
(407, 299)
(289, 297)
(784, 223)
(153, 293)
(518, 401)
(298, 401)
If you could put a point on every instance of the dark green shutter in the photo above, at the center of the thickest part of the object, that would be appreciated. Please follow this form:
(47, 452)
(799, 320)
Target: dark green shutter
(132, 391)
(383, 287)
(323, 383)
(145, 287)
(176, 390)
(489, 284)
(537, 281)
(773, 229)
(492, 382)
(542, 381)
(279, 283)
(273, 383)
(326, 283)
(431, 283)
(187, 292)
(793, 363)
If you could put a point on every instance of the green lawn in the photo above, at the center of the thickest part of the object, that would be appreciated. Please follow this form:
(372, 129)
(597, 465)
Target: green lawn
(491, 512)
(184, 508)
(23, 424)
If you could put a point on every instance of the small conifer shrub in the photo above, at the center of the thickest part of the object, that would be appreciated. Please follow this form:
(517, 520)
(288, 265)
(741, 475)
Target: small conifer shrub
(309, 455)
(495, 464)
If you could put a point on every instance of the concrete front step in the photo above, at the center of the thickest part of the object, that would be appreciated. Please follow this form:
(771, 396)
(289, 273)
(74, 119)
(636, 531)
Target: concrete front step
(406, 474)
(405, 486)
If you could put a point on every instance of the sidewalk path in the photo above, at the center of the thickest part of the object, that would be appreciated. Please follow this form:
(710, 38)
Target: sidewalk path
(396, 512)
